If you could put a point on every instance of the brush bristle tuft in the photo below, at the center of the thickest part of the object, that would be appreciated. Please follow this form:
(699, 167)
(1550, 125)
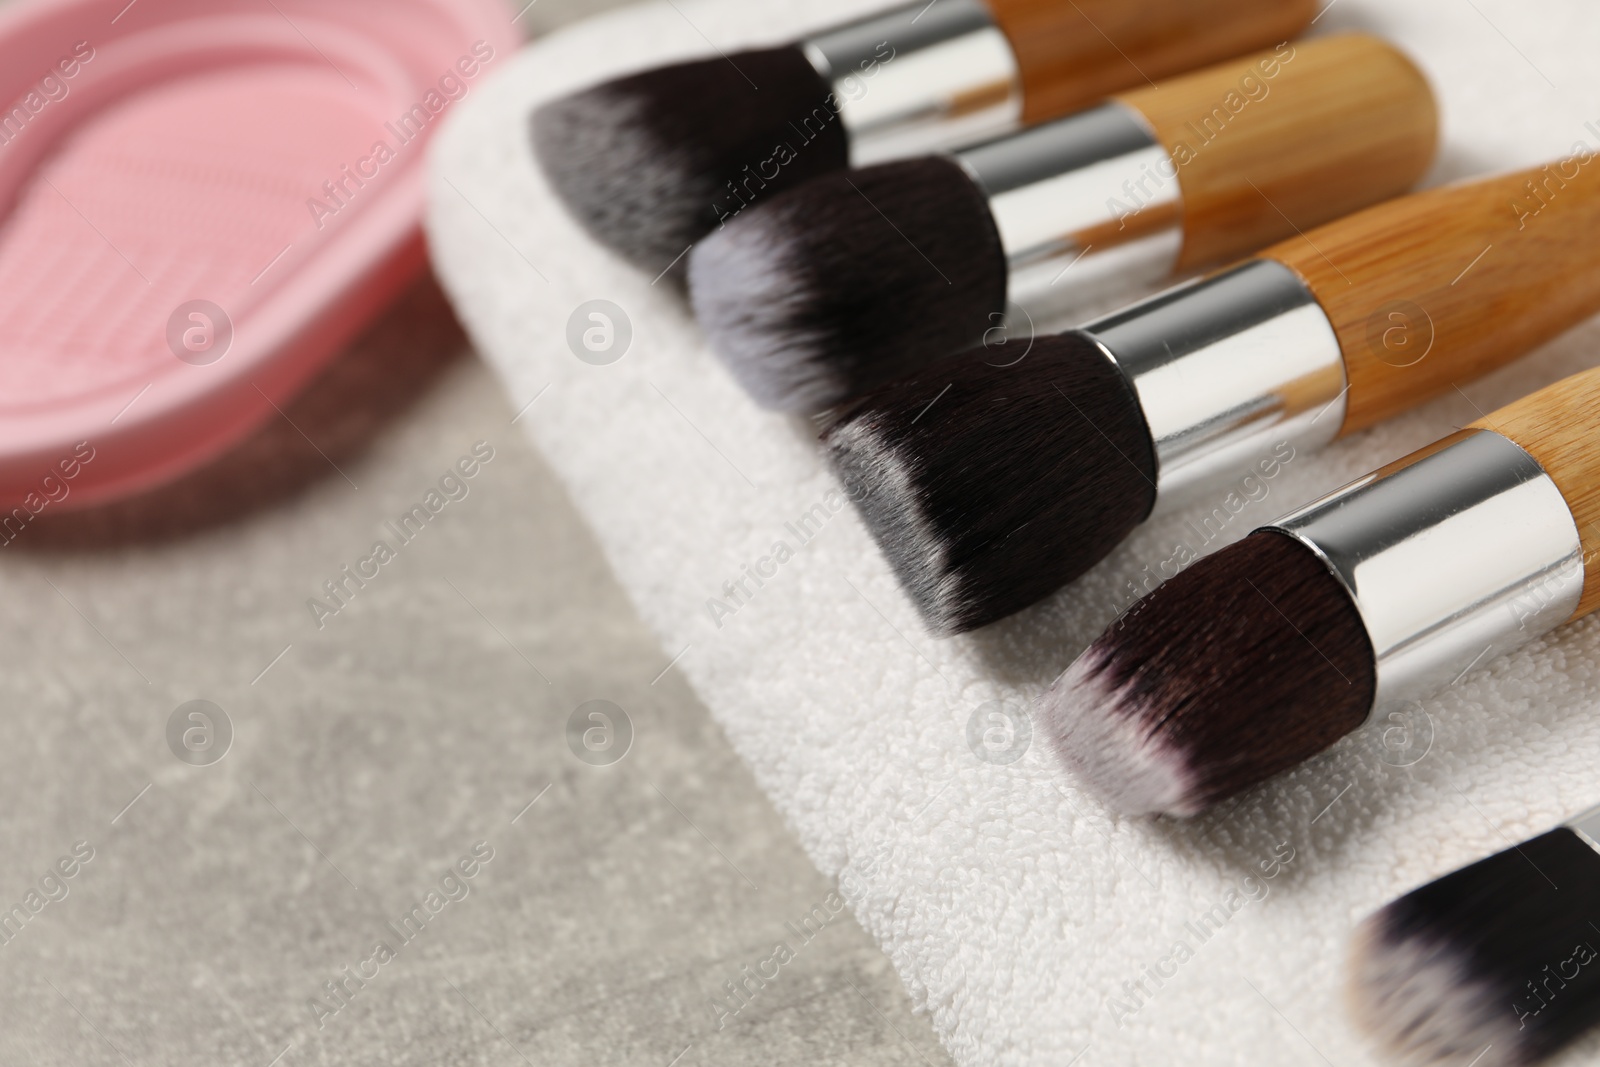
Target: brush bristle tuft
(1248, 662)
(820, 294)
(1497, 964)
(988, 487)
(644, 162)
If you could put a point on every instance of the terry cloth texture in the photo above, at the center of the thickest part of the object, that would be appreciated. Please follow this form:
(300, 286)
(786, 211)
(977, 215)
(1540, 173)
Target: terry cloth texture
(1028, 921)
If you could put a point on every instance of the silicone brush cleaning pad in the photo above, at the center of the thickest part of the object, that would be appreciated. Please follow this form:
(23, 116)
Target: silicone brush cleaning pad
(199, 203)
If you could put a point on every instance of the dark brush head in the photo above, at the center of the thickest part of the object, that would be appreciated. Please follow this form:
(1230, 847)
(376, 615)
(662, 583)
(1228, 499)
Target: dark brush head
(645, 162)
(1248, 662)
(1503, 955)
(850, 281)
(988, 487)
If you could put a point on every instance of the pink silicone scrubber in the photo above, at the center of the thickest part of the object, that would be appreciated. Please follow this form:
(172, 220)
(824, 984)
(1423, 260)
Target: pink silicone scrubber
(200, 201)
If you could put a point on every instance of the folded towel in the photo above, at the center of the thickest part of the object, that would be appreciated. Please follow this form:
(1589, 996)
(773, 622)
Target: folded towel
(1028, 921)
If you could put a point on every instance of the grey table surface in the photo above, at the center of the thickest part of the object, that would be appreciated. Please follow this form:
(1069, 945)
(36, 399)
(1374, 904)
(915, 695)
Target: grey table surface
(230, 912)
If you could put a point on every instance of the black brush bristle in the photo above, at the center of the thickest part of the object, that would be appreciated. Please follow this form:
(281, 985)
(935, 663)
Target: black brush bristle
(650, 163)
(850, 281)
(1248, 662)
(1497, 964)
(988, 487)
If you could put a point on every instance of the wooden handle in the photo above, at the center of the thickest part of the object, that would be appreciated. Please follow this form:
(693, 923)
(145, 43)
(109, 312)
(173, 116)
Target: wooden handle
(1073, 53)
(1289, 139)
(1557, 426)
(1449, 284)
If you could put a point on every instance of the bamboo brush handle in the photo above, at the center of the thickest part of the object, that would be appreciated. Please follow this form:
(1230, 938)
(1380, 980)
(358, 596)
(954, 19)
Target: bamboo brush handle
(1449, 284)
(1072, 53)
(1290, 138)
(1560, 427)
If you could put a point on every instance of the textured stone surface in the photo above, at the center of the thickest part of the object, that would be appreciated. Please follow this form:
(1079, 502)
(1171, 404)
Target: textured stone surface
(372, 756)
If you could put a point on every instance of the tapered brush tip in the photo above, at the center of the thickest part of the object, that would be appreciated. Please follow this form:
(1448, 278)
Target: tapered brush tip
(1250, 661)
(994, 477)
(650, 163)
(1133, 771)
(853, 279)
(1496, 964)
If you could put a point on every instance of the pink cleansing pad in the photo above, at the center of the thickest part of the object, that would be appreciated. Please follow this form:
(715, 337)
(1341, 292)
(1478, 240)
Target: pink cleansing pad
(200, 202)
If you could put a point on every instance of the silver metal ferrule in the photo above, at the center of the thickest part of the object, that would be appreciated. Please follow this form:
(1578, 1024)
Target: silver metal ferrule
(1454, 555)
(918, 79)
(1086, 205)
(1587, 826)
(1227, 370)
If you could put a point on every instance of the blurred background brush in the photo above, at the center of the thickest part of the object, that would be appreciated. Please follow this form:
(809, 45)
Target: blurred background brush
(1493, 965)
(651, 162)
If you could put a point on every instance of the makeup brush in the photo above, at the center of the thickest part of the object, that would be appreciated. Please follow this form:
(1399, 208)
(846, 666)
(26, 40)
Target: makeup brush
(1265, 653)
(1494, 965)
(858, 277)
(994, 478)
(650, 162)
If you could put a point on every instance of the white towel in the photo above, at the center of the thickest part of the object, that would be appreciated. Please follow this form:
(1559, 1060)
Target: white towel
(1028, 921)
